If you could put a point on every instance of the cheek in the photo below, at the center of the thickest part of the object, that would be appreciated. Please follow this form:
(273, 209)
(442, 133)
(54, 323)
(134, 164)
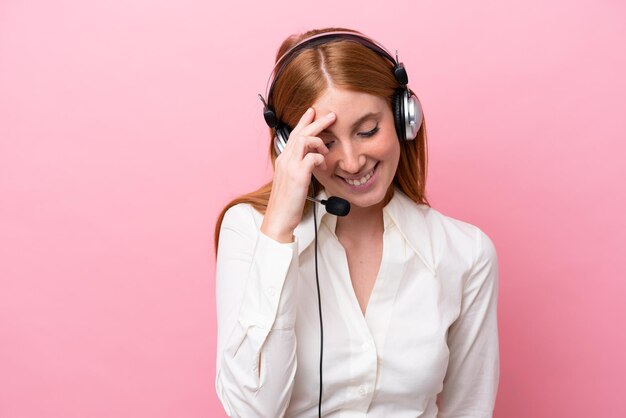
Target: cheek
(326, 177)
(331, 160)
(387, 148)
(391, 155)
(396, 150)
(320, 174)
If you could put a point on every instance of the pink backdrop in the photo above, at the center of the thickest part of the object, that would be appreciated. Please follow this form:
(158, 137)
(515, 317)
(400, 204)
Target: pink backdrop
(125, 126)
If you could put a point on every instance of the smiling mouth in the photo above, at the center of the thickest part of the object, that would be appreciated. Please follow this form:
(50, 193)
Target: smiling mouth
(363, 179)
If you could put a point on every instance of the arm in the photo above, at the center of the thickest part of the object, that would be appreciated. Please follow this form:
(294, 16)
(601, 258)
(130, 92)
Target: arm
(471, 382)
(256, 279)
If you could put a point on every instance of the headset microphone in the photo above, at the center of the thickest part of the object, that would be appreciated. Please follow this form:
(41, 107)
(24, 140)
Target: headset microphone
(334, 205)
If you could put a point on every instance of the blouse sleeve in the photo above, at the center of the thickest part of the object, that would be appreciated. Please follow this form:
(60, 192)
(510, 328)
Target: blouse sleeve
(256, 279)
(471, 382)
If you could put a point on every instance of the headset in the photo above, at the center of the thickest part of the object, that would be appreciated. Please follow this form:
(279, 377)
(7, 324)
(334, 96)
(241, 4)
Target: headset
(407, 113)
(406, 107)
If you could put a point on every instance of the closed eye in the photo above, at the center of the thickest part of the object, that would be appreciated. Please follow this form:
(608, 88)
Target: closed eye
(369, 133)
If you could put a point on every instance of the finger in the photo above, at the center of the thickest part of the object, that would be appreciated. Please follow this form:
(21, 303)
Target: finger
(313, 160)
(319, 125)
(308, 144)
(305, 119)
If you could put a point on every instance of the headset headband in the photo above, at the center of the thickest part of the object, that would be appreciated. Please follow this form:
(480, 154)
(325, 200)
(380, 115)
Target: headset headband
(325, 37)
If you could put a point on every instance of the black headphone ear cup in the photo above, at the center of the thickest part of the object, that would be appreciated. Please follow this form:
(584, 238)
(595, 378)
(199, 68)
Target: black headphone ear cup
(398, 113)
(280, 139)
(407, 112)
(414, 115)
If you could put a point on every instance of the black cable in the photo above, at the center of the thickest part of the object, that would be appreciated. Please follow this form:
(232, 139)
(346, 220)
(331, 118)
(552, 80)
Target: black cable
(319, 305)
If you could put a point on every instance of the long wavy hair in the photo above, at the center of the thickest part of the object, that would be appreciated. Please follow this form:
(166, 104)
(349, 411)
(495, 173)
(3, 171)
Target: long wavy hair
(350, 66)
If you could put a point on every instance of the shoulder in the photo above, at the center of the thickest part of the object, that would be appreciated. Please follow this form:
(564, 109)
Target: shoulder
(242, 218)
(463, 232)
(463, 236)
(450, 240)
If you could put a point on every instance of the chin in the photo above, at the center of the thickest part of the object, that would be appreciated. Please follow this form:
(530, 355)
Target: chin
(361, 200)
(366, 203)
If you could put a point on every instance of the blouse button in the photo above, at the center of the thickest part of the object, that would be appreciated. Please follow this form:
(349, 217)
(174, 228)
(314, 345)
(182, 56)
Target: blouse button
(362, 390)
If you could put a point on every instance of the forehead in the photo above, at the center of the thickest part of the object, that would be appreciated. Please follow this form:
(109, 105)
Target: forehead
(347, 105)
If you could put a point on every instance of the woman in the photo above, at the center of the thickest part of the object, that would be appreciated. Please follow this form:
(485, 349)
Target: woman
(407, 296)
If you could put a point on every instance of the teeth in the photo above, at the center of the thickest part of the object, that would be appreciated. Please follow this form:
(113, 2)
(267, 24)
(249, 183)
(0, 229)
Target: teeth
(360, 181)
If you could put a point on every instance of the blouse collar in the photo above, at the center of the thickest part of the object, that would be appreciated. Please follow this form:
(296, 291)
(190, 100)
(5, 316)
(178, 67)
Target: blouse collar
(408, 216)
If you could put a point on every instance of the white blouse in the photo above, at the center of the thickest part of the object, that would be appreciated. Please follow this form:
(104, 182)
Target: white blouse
(427, 345)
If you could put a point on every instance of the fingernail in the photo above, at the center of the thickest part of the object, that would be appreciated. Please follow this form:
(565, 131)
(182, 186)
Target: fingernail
(309, 110)
(330, 115)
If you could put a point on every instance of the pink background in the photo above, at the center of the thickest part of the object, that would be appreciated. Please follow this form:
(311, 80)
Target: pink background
(125, 126)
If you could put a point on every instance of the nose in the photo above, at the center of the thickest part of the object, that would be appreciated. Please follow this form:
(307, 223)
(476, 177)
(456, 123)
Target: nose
(351, 160)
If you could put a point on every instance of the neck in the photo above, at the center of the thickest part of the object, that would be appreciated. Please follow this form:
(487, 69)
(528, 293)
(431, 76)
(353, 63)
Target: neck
(363, 223)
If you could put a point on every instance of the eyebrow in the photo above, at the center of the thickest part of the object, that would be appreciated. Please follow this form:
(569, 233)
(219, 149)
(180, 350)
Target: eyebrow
(367, 116)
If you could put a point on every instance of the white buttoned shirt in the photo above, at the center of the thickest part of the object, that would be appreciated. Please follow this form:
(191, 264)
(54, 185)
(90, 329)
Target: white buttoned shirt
(427, 345)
